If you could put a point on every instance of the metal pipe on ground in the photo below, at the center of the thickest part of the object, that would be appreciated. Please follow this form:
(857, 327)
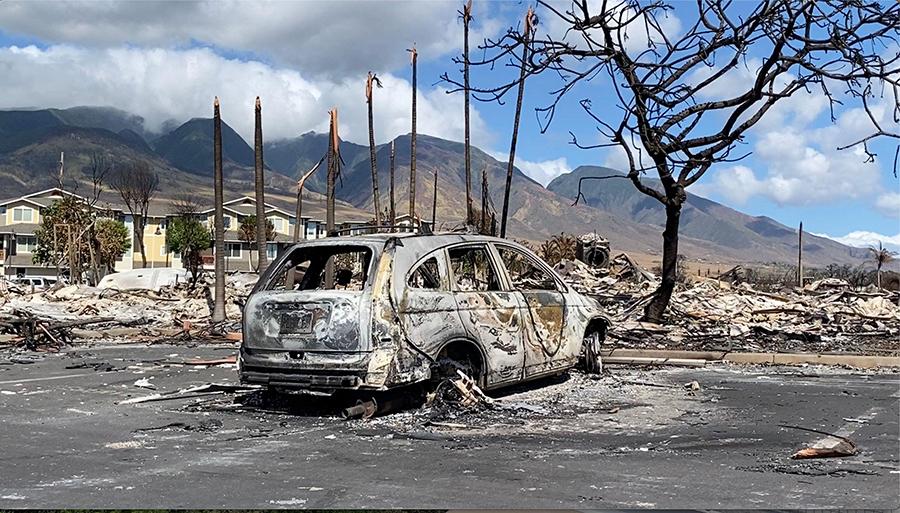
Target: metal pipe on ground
(679, 362)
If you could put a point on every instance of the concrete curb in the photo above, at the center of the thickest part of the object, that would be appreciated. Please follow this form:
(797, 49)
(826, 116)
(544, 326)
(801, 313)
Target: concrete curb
(658, 356)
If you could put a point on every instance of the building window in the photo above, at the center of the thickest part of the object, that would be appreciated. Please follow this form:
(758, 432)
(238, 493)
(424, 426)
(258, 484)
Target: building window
(26, 244)
(162, 250)
(23, 215)
(271, 251)
(233, 250)
(277, 222)
(162, 224)
(226, 222)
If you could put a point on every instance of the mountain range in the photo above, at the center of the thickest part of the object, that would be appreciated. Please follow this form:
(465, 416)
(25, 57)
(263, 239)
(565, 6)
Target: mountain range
(31, 142)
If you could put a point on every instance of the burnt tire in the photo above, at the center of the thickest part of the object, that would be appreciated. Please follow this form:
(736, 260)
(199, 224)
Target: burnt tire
(590, 352)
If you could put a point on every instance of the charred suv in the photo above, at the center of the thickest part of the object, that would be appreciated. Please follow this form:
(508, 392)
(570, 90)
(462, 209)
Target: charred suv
(377, 312)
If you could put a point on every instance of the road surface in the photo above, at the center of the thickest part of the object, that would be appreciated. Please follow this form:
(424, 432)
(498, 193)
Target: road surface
(629, 439)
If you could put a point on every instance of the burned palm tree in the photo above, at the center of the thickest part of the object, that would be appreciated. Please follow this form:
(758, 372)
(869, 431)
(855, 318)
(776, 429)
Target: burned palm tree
(526, 34)
(298, 225)
(881, 257)
(467, 17)
(412, 144)
(334, 160)
(218, 314)
(260, 191)
(393, 211)
(371, 80)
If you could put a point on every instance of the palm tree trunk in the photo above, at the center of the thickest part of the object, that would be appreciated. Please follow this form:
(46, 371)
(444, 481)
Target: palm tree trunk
(515, 133)
(261, 240)
(376, 200)
(412, 144)
(482, 228)
(218, 314)
(393, 205)
(467, 15)
(329, 209)
(434, 202)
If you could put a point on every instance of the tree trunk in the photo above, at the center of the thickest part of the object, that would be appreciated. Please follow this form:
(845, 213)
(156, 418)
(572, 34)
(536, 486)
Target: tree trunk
(412, 144)
(467, 15)
(218, 314)
(655, 310)
(515, 132)
(329, 205)
(375, 199)
(261, 240)
(434, 202)
(878, 276)
(139, 226)
(393, 204)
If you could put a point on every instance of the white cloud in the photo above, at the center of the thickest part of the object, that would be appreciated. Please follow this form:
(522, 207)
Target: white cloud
(889, 204)
(162, 84)
(542, 171)
(335, 39)
(865, 239)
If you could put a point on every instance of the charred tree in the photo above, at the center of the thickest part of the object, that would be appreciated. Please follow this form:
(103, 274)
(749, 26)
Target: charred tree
(526, 35)
(412, 140)
(674, 116)
(218, 314)
(467, 17)
(393, 211)
(371, 80)
(259, 180)
(333, 163)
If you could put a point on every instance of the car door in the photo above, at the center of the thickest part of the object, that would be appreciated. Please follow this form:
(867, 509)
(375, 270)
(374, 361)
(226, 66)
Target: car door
(430, 312)
(490, 314)
(543, 304)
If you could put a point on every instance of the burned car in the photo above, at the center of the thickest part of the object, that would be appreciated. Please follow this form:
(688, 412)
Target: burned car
(376, 312)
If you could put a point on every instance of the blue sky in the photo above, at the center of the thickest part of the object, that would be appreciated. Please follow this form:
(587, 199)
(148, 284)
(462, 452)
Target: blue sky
(165, 61)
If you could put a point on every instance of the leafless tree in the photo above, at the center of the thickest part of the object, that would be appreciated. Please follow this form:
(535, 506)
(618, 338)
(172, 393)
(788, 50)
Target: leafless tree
(334, 160)
(98, 169)
(137, 183)
(673, 117)
(372, 80)
(260, 183)
(218, 314)
(185, 204)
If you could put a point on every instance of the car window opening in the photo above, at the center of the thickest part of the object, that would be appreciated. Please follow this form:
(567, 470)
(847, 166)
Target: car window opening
(306, 268)
(472, 270)
(426, 276)
(524, 273)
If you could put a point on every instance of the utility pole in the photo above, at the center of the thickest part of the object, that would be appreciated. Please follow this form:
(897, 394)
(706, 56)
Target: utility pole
(412, 145)
(261, 221)
(218, 314)
(529, 20)
(800, 256)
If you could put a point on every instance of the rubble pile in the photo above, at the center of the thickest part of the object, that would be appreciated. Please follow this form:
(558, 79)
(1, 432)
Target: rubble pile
(59, 315)
(720, 315)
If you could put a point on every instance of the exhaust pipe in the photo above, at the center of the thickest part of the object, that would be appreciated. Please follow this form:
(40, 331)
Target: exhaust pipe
(364, 409)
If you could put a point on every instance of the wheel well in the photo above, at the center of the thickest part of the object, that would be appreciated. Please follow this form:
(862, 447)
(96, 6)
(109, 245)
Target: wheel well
(465, 350)
(597, 324)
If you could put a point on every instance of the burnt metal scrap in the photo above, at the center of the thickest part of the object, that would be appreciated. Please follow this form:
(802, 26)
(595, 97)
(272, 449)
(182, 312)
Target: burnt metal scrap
(403, 310)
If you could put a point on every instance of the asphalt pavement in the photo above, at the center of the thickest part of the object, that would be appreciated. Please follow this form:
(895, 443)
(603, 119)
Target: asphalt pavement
(632, 438)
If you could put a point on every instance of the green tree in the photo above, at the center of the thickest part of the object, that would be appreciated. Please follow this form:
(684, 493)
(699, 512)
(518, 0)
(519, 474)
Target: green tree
(189, 238)
(880, 257)
(112, 241)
